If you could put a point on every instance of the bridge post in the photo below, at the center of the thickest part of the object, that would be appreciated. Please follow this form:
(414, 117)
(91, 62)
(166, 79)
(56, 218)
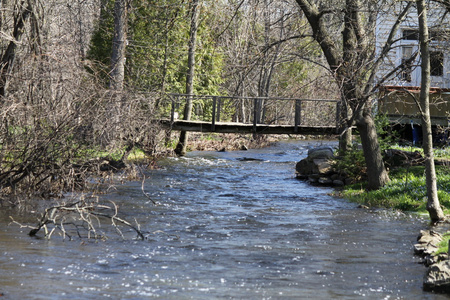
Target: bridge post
(219, 104)
(255, 114)
(298, 114)
(338, 117)
(213, 121)
(172, 111)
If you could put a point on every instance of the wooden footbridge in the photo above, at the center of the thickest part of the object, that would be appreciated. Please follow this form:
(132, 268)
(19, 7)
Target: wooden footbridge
(251, 115)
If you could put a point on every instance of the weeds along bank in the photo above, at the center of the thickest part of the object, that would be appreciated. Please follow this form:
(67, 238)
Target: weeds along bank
(62, 150)
(45, 152)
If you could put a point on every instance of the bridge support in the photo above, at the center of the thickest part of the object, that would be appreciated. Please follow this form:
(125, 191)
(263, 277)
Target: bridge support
(213, 117)
(298, 114)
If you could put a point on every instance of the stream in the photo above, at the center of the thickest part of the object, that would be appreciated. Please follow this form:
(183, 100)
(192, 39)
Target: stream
(229, 225)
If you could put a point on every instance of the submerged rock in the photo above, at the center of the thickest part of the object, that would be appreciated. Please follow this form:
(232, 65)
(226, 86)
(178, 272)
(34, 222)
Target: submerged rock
(249, 159)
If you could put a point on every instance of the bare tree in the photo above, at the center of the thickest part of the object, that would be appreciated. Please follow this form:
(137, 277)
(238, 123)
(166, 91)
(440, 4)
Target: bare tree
(445, 3)
(21, 11)
(54, 113)
(182, 143)
(268, 51)
(119, 45)
(433, 205)
(353, 63)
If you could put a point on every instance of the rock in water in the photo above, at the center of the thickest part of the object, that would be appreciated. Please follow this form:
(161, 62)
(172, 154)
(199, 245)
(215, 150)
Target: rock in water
(427, 242)
(317, 168)
(322, 152)
(321, 166)
(437, 278)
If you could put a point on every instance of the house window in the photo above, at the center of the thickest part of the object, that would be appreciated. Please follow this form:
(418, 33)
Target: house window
(406, 72)
(411, 34)
(437, 63)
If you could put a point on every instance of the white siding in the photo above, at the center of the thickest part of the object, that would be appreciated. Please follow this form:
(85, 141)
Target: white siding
(394, 58)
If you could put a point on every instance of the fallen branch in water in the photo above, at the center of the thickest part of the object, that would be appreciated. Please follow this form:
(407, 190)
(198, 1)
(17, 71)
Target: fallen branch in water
(82, 219)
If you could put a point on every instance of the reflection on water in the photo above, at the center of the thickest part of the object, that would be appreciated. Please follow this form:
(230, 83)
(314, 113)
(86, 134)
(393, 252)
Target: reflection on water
(226, 228)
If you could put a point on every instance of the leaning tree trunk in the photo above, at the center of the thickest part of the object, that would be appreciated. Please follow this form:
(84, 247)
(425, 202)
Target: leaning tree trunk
(182, 143)
(433, 205)
(376, 171)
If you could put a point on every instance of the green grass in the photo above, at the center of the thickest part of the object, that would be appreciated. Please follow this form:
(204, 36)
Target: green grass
(443, 245)
(137, 155)
(406, 191)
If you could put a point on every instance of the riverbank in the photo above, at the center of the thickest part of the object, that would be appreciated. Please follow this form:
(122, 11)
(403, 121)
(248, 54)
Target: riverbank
(406, 192)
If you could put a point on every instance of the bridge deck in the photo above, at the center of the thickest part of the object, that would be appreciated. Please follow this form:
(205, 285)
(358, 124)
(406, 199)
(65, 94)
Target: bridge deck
(224, 127)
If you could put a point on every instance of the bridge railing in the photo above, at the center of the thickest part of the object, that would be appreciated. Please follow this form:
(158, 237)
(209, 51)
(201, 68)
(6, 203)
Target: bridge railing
(253, 110)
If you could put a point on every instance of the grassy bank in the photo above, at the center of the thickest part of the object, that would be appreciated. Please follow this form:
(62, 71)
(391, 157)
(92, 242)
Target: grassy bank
(407, 189)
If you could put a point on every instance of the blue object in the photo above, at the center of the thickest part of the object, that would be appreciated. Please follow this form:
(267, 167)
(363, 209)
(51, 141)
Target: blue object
(415, 134)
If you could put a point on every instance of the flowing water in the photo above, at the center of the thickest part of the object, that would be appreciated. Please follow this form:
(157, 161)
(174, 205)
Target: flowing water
(229, 225)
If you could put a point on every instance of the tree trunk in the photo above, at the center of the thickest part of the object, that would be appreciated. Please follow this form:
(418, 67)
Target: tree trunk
(182, 143)
(119, 45)
(377, 175)
(344, 130)
(433, 205)
(117, 73)
(9, 56)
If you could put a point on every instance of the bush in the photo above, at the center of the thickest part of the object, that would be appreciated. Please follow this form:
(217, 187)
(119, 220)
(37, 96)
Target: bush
(352, 164)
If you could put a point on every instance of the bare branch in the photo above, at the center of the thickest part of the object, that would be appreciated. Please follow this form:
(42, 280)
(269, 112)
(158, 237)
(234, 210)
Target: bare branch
(145, 194)
(83, 214)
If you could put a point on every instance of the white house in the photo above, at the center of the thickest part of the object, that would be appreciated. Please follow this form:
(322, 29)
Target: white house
(407, 45)
(396, 94)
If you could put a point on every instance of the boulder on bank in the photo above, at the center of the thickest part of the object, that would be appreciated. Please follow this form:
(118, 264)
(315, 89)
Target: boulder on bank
(400, 158)
(317, 162)
(307, 167)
